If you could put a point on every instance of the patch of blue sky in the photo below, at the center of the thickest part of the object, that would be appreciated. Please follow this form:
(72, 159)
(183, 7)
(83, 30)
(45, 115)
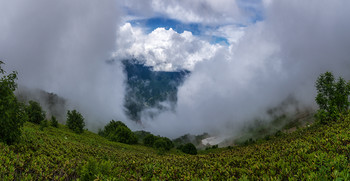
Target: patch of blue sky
(253, 9)
(219, 40)
(196, 29)
(161, 22)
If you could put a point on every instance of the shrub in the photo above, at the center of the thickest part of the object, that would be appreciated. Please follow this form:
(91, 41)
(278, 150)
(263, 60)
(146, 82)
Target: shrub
(332, 97)
(189, 148)
(75, 121)
(54, 122)
(35, 112)
(117, 131)
(149, 140)
(89, 171)
(12, 113)
(43, 124)
(163, 143)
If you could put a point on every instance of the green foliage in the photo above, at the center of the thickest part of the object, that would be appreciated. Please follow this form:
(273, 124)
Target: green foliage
(54, 122)
(117, 131)
(141, 134)
(212, 147)
(163, 143)
(35, 112)
(43, 124)
(89, 171)
(332, 97)
(75, 121)
(189, 148)
(12, 114)
(313, 153)
(149, 140)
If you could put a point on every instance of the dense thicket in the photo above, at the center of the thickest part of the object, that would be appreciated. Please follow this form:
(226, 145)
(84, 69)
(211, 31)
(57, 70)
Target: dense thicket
(117, 131)
(12, 114)
(54, 122)
(75, 121)
(332, 97)
(35, 112)
(189, 148)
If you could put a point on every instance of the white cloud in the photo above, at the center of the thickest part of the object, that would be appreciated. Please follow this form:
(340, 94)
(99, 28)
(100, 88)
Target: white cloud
(194, 11)
(276, 58)
(164, 50)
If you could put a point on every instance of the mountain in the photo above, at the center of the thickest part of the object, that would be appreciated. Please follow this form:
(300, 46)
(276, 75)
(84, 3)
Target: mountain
(150, 90)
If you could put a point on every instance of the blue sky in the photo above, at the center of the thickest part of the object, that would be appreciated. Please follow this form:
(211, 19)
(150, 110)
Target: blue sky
(251, 9)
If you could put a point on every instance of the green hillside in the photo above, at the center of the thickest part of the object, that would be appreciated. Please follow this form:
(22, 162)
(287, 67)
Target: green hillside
(318, 151)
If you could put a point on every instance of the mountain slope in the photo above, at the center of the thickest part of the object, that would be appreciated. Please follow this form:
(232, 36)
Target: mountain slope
(147, 89)
(315, 152)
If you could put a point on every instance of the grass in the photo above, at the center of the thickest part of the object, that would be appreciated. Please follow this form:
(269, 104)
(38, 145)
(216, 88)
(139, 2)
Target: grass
(312, 153)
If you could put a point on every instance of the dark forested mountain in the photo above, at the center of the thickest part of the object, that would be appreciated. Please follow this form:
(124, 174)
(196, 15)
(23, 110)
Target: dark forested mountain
(148, 89)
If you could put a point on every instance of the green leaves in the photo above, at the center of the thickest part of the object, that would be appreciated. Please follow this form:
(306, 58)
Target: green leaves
(117, 131)
(35, 113)
(12, 115)
(75, 121)
(332, 97)
(320, 151)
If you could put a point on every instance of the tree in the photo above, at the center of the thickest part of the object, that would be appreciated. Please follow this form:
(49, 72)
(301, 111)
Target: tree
(189, 148)
(35, 113)
(54, 122)
(75, 121)
(12, 114)
(163, 143)
(149, 140)
(117, 131)
(332, 97)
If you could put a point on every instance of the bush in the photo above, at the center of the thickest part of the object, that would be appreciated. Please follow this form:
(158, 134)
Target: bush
(149, 140)
(12, 113)
(332, 97)
(163, 143)
(89, 171)
(117, 131)
(54, 122)
(35, 112)
(75, 121)
(43, 124)
(189, 148)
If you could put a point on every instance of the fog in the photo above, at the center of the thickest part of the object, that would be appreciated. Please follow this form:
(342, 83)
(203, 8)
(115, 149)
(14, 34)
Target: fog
(279, 57)
(62, 47)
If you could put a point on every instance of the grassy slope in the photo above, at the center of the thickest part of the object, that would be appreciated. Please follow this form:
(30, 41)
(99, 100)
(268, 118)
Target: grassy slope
(59, 154)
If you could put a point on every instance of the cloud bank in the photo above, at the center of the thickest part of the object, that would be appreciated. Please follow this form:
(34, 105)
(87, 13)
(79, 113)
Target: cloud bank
(61, 47)
(276, 49)
(276, 58)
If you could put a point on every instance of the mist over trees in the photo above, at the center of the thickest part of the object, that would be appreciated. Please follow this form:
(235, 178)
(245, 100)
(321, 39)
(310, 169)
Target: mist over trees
(147, 89)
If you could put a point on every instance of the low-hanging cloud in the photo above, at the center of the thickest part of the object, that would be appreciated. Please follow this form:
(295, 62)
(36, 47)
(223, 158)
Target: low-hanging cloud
(276, 58)
(62, 47)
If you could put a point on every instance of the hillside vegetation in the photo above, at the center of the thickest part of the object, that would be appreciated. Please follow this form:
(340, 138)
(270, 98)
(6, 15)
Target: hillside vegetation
(319, 151)
(31, 149)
